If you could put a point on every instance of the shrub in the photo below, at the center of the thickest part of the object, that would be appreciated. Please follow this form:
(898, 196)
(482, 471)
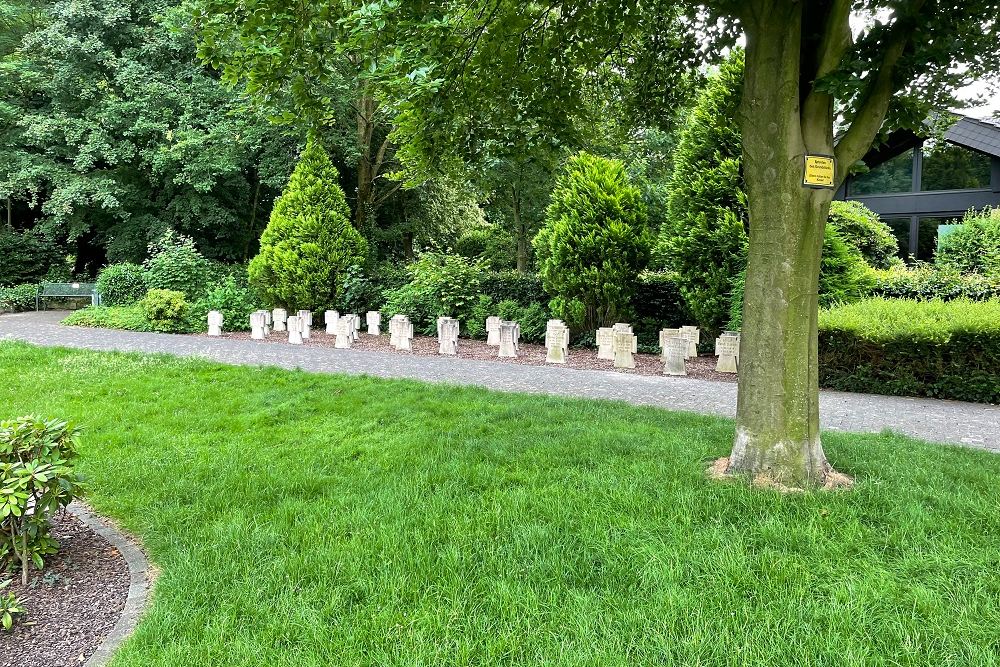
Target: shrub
(704, 238)
(525, 288)
(309, 243)
(233, 300)
(532, 318)
(944, 349)
(440, 284)
(175, 264)
(925, 281)
(10, 607)
(421, 307)
(36, 466)
(493, 244)
(594, 242)
(17, 299)
(476, 326)
(166, 310)
(364, 288)
(862, 229)
(974, 247)
(121, 284)
(128, 318)
(26, 255)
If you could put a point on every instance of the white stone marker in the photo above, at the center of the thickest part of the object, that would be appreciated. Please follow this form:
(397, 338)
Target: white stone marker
(294, 330)
(694, 337)
(666, 334)
(625, 345)
(675, 355)
(622, 327)
(280, 317)
(404, 334)
(508, 340)
(556, 342)
(331, 318)
(355, 326)
(395, 328)
(448, 336)
(267, 322)
(345, 337)
(257, 321)
(728, 348)
(305, 323)
(606, 343)
(493, 330)
(374, 320)
(214, 323)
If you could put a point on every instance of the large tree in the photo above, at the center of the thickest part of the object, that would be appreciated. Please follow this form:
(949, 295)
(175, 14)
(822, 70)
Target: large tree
(806, 68)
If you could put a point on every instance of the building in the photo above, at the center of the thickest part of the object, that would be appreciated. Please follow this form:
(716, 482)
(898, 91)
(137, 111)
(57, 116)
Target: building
(917, 184)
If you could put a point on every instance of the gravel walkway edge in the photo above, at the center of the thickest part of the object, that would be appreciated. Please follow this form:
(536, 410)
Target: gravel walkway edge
(140, 581)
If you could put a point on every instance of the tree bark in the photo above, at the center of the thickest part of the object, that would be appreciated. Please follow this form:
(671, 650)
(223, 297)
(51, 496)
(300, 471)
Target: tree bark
(777, 423)
(520, 232)
(366, 172)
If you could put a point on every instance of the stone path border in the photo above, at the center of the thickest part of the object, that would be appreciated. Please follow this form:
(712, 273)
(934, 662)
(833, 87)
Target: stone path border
(953, 422)
(140, 581)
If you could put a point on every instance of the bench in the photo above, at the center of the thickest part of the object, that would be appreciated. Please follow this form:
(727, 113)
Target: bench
(67, 291)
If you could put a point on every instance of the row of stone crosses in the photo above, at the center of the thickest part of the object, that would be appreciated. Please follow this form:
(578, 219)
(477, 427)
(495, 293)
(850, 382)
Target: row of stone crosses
(616, 343)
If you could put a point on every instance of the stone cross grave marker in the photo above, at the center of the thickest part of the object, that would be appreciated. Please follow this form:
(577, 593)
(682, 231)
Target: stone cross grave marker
(694, 337)
(214, 323)
(448, 336)
(395, 324)
(305, 323)
(267, 322)
(404, 334)
(355, 326)
(675, 355)
(666, 334)
(556, 342)
(508, 340)
(294, 330)
(257, 321)
(493, 330)
(605, 343)
(280, 316)
(374, 320)
(345, 336)
(728, 349)
(625, 345)
(332, 320)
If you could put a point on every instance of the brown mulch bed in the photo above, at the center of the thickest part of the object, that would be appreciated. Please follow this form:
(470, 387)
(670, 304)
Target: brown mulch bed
(71, 605)
(529, 354)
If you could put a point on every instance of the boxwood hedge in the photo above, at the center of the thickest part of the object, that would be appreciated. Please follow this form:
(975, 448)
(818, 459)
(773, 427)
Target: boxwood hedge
(942, 349)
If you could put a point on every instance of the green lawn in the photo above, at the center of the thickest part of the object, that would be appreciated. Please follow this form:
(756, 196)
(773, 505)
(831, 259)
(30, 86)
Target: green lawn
(304, 520)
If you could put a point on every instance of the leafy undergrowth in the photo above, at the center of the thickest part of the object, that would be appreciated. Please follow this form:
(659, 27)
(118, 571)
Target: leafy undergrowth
(305, 520)
(129, 318)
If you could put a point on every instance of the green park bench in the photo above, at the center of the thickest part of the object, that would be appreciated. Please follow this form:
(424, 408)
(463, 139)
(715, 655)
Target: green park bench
(67, 291)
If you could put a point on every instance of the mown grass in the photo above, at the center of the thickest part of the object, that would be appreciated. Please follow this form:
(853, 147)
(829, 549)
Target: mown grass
(311, 520)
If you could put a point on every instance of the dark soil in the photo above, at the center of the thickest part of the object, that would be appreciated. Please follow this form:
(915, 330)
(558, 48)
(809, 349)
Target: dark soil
(702, 367)
(71, 605)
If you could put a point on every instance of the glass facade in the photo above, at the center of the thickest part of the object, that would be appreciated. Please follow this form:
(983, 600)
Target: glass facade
(901, 230)
(949, 167)
(927, 237)
(892, 176)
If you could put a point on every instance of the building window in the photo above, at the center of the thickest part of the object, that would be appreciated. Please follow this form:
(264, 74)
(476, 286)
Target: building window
(892, 176)
(927, 237)
(949, 167)
(901, 230)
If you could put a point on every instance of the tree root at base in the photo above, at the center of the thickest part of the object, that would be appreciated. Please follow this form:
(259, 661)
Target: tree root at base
(833, 481)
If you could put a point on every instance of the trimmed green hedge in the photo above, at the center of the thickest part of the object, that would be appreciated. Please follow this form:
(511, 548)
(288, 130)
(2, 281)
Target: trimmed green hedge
(942, 349)
(924, 281)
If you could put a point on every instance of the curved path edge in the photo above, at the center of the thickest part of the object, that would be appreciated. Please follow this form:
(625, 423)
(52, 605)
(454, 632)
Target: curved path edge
(140, 580)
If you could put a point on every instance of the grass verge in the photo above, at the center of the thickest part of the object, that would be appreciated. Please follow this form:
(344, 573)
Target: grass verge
(311, 520)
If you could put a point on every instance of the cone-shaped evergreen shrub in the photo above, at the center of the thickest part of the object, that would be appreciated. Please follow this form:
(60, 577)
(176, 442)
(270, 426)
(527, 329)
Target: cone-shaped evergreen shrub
(594, 242)
(309, 242)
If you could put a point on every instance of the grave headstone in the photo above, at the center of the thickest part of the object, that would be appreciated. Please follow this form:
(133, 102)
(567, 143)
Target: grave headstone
(214, 323)
(675, 355)
(448, 336)
(694, 338)
(305, 323)
(404, 335)
(267, 322)
(331, 318)
(625, 345)
(664, 335)
(606, 343)
(257, 321)
(493, 330)
(728, 348)
(508, 340)
(344, 334)
(374, 320)
(395, 324)
(280, 317)
(294, 330)
(556, 342)
(622, 327)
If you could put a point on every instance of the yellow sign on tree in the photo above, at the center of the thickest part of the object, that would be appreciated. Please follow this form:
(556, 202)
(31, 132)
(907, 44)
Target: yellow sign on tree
(819, 172)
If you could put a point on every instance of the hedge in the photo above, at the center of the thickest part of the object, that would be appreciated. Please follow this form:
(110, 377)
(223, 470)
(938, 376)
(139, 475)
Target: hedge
(941, 349)
(924, 281)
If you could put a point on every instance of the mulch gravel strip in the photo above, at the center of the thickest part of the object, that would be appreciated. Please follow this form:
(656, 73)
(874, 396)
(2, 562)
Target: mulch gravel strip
(529, 354)
(71, 605)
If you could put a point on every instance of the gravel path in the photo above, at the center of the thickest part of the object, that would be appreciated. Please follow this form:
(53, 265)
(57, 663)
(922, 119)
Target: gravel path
(955, 422)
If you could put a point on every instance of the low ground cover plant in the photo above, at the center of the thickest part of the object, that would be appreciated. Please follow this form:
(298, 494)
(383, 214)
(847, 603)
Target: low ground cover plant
(942, 349)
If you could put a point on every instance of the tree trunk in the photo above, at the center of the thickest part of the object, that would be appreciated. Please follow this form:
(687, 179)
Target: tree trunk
(520, 232)
(366, 177)
(777, 422)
